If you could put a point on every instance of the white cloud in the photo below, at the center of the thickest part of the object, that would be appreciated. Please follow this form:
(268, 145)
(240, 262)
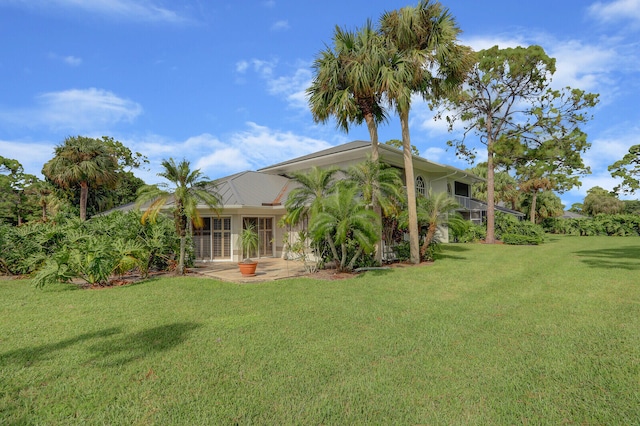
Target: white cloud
(280, 25)
(250, 149)
(72, 60)
(32, 155)
(617, 10)
(290, 87)
(76, 109)
(136, 10)
(485, 42)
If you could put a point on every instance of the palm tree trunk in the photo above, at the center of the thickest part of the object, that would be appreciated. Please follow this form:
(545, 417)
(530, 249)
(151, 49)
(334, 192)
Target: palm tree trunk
(431, 232)
(84, 195)
(354, 258)
(414, 243)
(373, 134)
(183, 241)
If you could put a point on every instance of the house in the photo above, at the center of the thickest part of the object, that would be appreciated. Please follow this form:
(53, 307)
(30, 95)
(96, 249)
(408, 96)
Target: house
(258, 197)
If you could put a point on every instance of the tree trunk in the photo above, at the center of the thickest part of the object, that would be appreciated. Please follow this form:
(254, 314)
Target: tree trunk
(84, 195)
(414, 242)
(491, 208)
(373, 134)
(431, 232)
(532, 213)
(183, 243)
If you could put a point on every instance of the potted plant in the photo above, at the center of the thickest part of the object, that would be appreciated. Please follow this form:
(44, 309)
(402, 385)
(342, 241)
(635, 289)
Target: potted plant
(249, 244)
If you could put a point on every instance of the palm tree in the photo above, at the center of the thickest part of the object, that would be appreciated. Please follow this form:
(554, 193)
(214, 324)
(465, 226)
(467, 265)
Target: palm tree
(344, 217)
(82, 162)
(347, 86)
(377, 181)
(306, 199)
(424, 58)
(432, 212)
(190, 187)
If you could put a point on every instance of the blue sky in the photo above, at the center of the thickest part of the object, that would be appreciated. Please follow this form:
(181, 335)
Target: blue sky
(221, 83)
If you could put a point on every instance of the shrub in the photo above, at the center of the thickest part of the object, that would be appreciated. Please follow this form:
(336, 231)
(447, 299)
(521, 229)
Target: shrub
(507, 224)
(516, 239)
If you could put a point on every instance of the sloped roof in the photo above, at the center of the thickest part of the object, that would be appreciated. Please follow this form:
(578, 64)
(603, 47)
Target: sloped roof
(571, 215)
(253, 189)
(358, 150)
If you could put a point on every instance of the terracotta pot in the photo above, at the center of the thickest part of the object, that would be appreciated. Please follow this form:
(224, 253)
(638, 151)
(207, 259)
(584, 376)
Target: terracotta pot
(248, 269)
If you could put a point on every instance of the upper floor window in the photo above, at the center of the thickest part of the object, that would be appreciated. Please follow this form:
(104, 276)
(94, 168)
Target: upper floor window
(420, 186)
(462, 189)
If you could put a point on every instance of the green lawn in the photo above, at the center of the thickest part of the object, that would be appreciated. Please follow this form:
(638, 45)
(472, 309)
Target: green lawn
(487, 335)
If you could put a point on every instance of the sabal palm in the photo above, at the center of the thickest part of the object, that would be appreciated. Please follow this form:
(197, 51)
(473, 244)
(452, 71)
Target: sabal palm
(424, 58)
(346, 83)
(81, 162)
(190, 187)
(306, 199)
(344, 216)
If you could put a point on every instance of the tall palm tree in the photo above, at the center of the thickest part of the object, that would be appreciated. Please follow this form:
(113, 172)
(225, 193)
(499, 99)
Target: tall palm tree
(82, 162)
(189, 188)
(343, 217)
(424, 58)
(347, 86)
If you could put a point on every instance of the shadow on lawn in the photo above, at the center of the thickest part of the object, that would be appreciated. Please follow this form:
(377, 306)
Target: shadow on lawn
(29, 356)
(449, 249)
(613, 258)
(111, 350)
(131, 347)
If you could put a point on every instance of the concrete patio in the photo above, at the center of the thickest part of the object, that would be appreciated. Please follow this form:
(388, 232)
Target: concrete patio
(269, 269)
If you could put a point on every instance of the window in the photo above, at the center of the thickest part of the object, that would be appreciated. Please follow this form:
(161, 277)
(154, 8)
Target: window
(462, 189)
(420, 186)
(213, 243)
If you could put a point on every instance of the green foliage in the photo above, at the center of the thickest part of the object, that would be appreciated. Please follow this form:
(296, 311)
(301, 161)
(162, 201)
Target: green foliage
(533, 126)
(599, 200)
(468, 233)
(620, 225)
(403, 251)
(515, 239)
(91, 251)
(628, 169)
(344, 218)
(249, 239)
(547, 204)
(186, 190)
(507, 224)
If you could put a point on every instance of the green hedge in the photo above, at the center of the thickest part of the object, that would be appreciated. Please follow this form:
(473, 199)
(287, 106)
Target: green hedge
(621, 225)
(516, 239)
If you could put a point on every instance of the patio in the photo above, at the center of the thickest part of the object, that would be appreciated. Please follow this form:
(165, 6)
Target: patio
(269, 269)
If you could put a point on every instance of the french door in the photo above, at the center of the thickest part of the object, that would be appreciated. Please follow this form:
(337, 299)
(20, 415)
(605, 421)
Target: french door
(213, 241)
(264, 225)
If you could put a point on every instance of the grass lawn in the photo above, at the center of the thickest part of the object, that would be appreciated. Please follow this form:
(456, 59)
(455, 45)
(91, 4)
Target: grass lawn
(487, 335)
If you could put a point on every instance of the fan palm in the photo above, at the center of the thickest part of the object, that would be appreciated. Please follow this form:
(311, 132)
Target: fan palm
(190, 187)
(82, 162)
(424, 58)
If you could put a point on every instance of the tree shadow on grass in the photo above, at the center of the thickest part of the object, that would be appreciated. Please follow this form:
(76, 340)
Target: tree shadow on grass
(131, 347)
(449, 249)
(614, 258)
(32, 354)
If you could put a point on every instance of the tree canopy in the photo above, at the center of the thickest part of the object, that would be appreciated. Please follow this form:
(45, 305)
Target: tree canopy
(628, 169)
(510, 104)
